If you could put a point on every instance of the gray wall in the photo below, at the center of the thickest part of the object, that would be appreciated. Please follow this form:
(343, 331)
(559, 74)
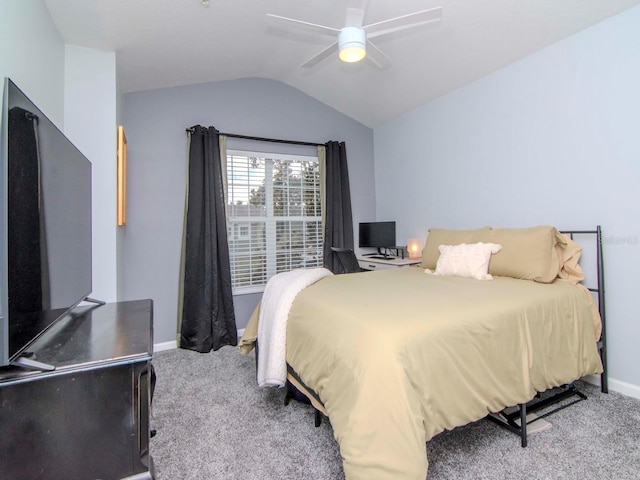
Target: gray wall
(552, 139)
(155, 122)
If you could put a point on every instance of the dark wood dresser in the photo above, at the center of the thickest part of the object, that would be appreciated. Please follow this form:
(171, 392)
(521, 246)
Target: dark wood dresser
(88, 418)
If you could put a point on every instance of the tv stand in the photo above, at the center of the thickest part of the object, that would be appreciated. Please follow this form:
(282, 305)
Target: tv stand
(88, 418)
(388, 253)
(32, 364)
(93, 300)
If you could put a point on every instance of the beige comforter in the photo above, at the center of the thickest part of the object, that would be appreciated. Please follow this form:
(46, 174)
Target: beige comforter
(398, 356)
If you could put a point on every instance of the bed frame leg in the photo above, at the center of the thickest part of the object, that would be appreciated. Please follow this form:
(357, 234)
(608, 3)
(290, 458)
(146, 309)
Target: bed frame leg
(523, 424)
(287, 396)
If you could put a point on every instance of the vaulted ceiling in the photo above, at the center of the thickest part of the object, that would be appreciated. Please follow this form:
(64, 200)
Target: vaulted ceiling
(166, 43)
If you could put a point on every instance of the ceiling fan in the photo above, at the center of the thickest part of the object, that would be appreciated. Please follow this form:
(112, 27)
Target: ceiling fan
(354, 39)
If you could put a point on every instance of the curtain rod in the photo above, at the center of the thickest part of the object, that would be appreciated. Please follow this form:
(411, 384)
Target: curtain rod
(263, 139)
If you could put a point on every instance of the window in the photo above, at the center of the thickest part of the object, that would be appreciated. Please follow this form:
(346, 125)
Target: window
(275, 218)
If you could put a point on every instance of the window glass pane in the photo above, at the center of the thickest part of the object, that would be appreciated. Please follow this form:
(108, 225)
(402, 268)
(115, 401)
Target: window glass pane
(275, 218)
(247, 252)
(245, 179)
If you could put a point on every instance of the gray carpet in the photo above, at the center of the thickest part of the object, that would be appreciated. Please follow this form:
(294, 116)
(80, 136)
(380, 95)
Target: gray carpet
(214, 423)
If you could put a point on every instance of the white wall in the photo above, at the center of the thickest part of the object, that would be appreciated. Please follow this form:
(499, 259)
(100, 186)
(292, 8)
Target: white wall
(90, 123)
(552, 139)
(32, 55)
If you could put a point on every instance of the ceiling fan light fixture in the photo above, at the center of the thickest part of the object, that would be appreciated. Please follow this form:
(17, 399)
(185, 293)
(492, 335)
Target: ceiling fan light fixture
(352, 44)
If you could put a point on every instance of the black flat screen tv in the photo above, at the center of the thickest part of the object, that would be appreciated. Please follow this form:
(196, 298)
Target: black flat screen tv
(45, 225)
(378, 235)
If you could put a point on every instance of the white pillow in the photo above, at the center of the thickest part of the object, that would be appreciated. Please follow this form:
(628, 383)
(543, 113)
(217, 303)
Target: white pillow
(466, 260)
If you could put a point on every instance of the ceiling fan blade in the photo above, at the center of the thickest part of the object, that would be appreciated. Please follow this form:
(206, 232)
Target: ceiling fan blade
(401, 23)
(318, 57)
(376, 56)
(306, 25)
(355, 13)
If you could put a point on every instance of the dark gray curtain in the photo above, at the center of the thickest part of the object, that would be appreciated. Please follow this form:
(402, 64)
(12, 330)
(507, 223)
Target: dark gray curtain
(208, 319)
(338, 225)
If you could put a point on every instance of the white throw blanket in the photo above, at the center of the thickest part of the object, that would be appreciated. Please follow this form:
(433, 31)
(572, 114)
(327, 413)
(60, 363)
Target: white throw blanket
(278, 297)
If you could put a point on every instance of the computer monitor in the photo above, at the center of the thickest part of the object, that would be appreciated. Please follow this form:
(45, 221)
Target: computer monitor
(378, 235)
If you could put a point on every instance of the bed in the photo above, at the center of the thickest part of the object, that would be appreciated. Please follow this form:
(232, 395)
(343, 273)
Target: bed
(395, 357)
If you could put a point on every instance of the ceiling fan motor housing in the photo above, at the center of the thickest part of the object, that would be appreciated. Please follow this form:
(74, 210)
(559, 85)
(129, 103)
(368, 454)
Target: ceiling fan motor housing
(352, 44)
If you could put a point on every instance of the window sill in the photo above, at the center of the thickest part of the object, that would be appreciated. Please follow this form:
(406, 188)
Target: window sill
(248, 290)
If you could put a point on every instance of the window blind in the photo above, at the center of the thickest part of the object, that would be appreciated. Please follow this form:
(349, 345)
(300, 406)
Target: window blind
(274, 216)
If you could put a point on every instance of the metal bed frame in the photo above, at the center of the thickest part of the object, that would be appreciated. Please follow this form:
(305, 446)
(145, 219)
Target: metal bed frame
(516, 421)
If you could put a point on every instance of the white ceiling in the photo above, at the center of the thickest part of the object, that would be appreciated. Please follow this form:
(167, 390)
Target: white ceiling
(166, 43)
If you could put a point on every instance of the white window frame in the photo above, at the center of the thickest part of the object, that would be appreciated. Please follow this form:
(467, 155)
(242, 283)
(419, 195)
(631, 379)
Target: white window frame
(270, 220)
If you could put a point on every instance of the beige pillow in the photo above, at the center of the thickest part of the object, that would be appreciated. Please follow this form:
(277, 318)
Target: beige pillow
(527, 253)
(466, 260)
(441, 236)
(569, 258)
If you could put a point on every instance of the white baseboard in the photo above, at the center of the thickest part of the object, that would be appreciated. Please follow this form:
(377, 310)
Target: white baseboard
(159, 347)
(628, 389)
